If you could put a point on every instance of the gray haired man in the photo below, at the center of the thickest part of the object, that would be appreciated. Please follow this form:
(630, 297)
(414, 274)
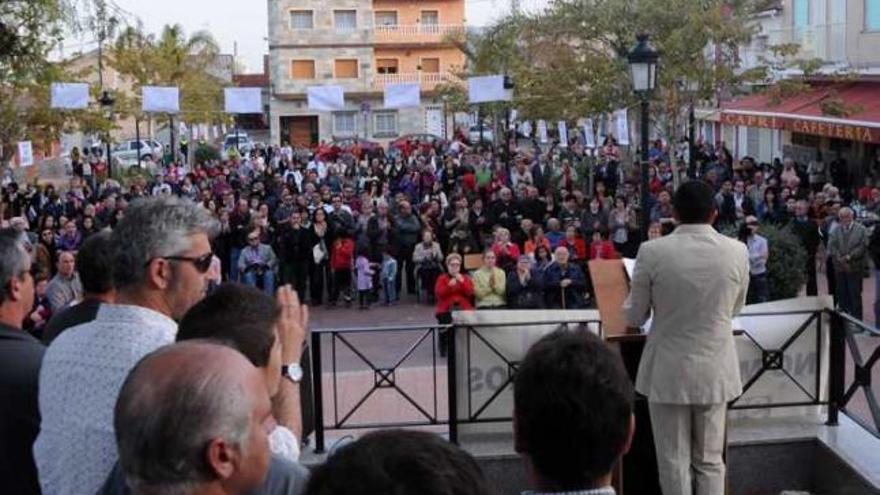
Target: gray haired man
(163, 253)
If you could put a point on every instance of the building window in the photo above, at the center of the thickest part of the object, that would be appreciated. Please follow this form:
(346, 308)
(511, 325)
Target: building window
(345, 19)
(386, 18)
(801, 13)
(302, 69)
(302, 19)
(872, 15)
(430, 65)
(430, 18)
(344, 123)
(385, 123)
(386, 66)
(346, 69)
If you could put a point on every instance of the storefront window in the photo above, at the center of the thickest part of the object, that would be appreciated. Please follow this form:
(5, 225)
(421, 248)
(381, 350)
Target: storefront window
(872, 15)
(805, 140)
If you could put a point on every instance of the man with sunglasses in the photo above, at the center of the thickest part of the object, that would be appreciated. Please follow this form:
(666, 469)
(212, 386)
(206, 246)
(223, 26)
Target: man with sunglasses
(162, 256)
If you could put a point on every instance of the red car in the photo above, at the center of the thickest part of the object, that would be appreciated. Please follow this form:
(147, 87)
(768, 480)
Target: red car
(423, 139)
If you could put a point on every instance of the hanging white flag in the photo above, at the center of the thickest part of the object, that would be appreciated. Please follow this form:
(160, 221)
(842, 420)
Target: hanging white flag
(216, 132)
(243, 100)
(161, 99)
(513, 116)
(402, 95)
(563, 133)
(181, 129)
(204, 133)
(542, 131)
(589, 137)
(25, 154)
(526, 129)
(223, 128)
(487, 89)
(326, 98)
(71, 96)
(602, 130)
(622, 126)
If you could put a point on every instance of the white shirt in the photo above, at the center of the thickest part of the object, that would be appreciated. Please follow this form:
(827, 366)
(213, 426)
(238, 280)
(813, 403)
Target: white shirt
(82, 373)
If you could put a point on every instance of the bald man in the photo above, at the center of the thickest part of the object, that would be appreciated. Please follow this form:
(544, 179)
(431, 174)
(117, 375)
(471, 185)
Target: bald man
(194, 418)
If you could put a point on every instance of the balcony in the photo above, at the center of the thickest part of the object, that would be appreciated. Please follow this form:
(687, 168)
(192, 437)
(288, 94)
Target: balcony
(427, 80)
(417, 34)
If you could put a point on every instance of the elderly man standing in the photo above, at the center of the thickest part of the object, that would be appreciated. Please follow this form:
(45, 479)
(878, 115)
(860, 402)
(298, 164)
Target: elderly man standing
(695, 281)
(848, 250)
(21, 355)
(163, 254)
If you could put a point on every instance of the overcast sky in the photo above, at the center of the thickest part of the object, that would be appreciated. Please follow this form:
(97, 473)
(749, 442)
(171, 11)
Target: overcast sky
(230, 21)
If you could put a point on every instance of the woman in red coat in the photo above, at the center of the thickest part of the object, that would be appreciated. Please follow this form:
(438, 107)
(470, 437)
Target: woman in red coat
(453, 290)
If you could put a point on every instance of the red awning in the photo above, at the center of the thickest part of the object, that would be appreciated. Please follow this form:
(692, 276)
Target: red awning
(803, 113)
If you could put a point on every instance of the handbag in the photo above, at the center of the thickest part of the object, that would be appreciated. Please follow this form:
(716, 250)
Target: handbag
(319, 253)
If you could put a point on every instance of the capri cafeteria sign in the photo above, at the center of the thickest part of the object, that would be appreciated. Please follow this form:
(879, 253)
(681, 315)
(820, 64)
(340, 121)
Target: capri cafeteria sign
(803, 126)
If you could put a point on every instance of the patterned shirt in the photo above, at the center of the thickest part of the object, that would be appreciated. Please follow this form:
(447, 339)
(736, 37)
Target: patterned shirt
(80, 379)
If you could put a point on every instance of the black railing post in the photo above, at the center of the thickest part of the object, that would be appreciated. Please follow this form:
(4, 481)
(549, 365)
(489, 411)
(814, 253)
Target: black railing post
(451, 378)
(836, 367)
(318, 389)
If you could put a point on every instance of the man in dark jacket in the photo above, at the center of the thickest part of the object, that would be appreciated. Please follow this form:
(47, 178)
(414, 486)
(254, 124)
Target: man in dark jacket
(296, 254)
(525, 287)
(239, 226)
(408, 235)
(505, 212)
(564, 282)
(21, 355)
(807, 232)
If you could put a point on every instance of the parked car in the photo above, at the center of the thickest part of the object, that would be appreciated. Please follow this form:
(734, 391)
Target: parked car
(126, 152)
(430, 139)
(245, 145)
(474, 134)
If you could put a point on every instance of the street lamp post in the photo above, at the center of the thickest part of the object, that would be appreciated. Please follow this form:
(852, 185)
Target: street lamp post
(107, 102)
(690, 87)
(643, 69)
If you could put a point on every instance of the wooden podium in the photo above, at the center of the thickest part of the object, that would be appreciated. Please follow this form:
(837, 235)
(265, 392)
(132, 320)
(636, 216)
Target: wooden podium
(611, 287)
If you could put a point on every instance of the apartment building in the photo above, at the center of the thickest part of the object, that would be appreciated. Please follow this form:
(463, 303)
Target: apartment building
(360, 45)
(835, 118)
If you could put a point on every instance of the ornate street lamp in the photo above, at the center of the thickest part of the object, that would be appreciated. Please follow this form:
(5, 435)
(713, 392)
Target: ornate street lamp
(107, 102)
(643, 64)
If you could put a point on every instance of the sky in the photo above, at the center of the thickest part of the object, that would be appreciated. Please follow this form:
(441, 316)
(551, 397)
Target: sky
(230, 22)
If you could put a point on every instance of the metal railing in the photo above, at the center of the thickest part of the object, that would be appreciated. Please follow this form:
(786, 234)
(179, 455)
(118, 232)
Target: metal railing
(845, 343)
(773, 360)
(841, 391)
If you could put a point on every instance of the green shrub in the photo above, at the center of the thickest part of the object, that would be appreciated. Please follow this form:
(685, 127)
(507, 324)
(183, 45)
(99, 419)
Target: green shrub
(205, 153)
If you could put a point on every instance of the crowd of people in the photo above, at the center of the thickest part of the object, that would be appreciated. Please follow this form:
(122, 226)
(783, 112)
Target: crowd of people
(128, 264)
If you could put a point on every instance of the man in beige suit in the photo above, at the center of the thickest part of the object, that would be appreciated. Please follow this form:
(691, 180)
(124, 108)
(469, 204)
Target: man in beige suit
(695, 281)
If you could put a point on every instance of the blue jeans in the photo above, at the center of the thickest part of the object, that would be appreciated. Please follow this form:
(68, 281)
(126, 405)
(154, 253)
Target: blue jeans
(234, 253)
(390, 291)
(268, 279)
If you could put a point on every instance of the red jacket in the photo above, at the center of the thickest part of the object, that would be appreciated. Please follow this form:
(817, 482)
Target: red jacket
(460, 294)
(577, 248)
(341, 254)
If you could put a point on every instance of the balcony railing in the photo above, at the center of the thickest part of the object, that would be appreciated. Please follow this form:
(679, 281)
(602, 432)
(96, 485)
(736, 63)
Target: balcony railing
(416, 33)
(427, 80)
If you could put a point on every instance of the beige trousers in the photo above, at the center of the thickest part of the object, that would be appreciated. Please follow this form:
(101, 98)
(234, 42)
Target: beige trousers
(689, 440)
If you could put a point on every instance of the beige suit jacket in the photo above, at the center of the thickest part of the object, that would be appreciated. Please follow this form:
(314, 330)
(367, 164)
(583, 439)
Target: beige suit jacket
(696, 281)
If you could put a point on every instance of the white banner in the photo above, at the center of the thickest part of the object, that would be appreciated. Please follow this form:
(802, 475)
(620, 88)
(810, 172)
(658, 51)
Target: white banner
(542, 131)
(402, 95)
(622, 126)
(204, 131)
(602, 130)
(223, 128)
(161, 99)
(243, 100)
(513, 116)
(563, 133)
(526, 129)
(589, 136)
(326, 98)
(181, 129)
(25, 154)
(70, 96)
(216, 132)
(488, 89)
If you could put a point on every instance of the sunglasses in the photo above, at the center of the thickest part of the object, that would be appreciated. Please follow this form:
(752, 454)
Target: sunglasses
(202, 264)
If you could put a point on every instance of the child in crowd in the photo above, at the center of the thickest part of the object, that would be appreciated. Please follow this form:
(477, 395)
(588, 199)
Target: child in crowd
(364, 277)
(389, 275)
(341, 255)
